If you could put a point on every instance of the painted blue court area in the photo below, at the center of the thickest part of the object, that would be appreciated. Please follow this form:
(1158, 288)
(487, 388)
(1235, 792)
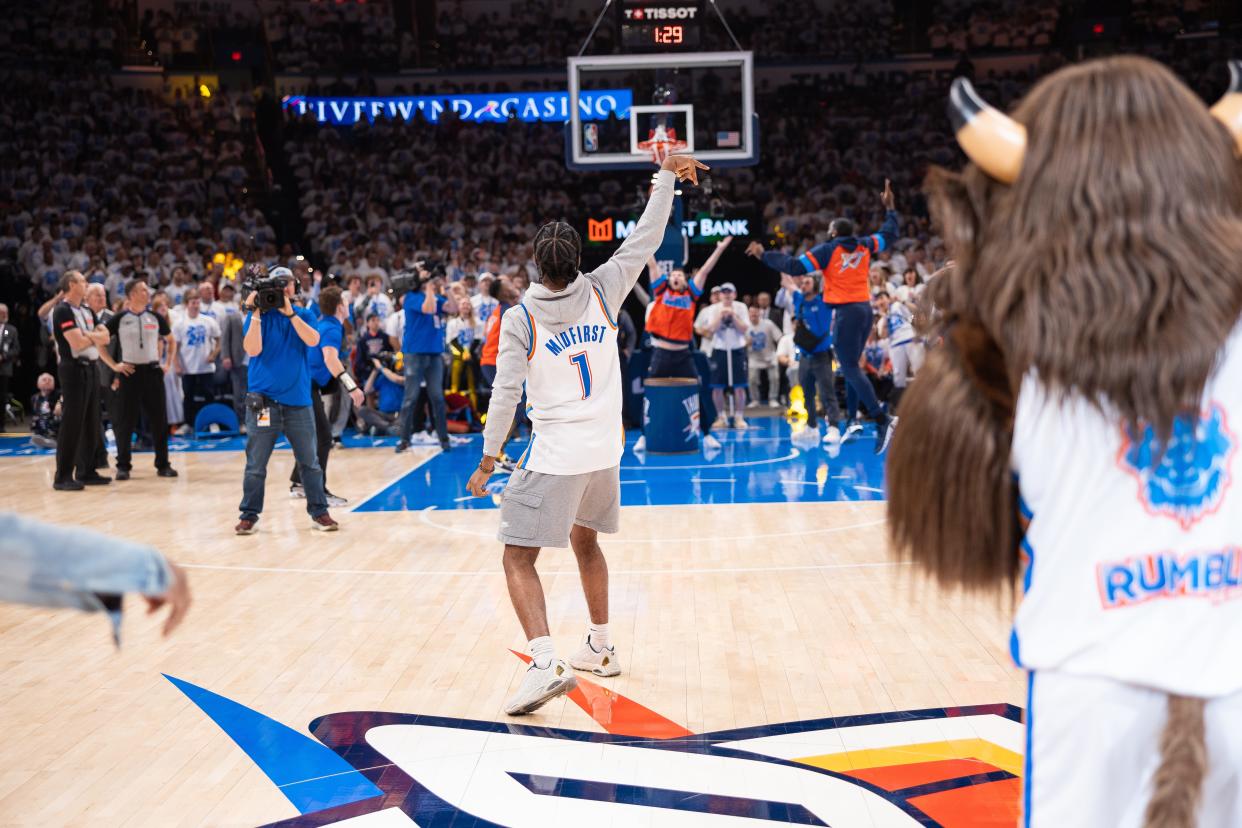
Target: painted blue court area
(759, 465)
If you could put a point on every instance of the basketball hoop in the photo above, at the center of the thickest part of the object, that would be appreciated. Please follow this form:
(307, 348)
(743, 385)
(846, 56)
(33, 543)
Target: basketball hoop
(662, 143)
(662, 149)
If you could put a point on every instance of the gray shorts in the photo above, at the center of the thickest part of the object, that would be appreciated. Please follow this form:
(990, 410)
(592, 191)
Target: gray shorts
(539, 509)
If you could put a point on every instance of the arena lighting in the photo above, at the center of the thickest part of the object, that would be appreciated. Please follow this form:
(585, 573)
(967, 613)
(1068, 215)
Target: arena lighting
(204, 91)
(1097, 29)
(236, 56)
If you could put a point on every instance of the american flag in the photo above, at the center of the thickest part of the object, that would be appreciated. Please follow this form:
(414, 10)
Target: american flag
(728, 139)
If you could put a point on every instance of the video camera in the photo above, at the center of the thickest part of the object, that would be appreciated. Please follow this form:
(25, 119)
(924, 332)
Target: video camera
(388, 359)
(405, 281)
(269, 285)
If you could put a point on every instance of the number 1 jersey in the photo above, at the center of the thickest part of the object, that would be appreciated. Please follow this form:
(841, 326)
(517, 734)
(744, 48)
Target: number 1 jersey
(573, 393)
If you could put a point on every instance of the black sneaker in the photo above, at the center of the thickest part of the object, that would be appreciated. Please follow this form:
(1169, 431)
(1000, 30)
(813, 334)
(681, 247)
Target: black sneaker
(68, 486)
(402, 445)
(95, 480)
(445, 447)
(884, 433)
(122, 474)
(167, 471)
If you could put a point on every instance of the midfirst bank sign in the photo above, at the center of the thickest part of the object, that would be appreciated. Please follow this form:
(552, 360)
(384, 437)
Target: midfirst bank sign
(698, 231)
(528, 107)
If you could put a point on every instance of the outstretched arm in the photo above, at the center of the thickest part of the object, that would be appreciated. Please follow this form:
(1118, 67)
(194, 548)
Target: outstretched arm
(886, 236)
(617, 276)
(700, 278)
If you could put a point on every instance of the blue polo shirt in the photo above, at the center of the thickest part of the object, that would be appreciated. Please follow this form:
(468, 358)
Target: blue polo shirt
(817, 316)
(390, 394)
(331, 334)
(280, 371)
(424, 332)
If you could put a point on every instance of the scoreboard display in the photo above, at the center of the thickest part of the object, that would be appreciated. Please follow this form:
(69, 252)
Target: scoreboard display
(660, 25)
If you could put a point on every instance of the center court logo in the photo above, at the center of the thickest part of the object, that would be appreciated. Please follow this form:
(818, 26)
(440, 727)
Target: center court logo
(1189, 479)
(905, 770)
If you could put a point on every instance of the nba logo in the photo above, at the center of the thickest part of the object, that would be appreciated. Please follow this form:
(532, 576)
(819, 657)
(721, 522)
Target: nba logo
(590, 137)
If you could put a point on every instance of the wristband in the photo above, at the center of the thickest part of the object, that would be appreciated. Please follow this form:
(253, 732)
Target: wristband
(346, 381)
(487, 471)
(288, 315)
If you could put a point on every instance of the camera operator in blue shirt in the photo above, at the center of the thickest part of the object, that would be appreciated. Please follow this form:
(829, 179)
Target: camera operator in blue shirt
(279, 400)
(422, 348)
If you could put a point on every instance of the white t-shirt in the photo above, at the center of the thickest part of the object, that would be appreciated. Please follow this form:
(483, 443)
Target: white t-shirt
(1135, 556)
(763, 341)
(728, 337)
(700, 322)
(196, 339)
(897, 326)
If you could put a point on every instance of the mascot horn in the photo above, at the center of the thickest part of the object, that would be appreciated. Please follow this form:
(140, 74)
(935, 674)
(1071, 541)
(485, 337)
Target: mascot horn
(1081, 418)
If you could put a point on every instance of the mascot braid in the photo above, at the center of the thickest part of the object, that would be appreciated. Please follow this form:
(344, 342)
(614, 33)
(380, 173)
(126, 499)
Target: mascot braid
(1097, 239)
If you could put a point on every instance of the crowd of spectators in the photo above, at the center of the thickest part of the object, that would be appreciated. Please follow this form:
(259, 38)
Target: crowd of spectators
(123, 184)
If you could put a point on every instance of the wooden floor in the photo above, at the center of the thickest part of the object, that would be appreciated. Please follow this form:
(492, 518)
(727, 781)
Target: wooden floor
(726, 616)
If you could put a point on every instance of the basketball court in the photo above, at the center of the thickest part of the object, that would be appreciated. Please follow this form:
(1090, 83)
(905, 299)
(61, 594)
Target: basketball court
(780, 667)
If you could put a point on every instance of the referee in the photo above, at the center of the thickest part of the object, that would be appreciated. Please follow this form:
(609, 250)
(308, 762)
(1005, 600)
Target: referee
(138, 331)
(77, 342)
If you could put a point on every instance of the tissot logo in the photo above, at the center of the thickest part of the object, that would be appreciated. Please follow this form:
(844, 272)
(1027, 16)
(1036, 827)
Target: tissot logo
(662, 13)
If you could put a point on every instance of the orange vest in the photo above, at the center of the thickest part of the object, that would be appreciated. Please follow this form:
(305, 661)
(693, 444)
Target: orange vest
(672, 317)
(847, 275)
(491, 345)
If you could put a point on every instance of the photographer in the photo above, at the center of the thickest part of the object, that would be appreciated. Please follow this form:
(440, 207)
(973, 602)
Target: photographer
(327, 376)
(276, 338)
(384, 393)
(422, 348)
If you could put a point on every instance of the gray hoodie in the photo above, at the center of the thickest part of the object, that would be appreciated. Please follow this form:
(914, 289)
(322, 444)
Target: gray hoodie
(554, 311)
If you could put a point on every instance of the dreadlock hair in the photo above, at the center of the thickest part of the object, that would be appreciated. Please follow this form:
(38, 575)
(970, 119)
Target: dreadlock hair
(558, 253)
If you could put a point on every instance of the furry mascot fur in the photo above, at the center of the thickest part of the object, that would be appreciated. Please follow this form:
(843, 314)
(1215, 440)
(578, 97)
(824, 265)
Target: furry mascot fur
(1097, 235)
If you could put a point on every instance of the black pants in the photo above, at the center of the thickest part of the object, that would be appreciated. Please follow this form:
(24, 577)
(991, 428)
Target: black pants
(323, 437)
(669, 363)
(197, 389)
(79, 424)
(4, 399)
(141, 392)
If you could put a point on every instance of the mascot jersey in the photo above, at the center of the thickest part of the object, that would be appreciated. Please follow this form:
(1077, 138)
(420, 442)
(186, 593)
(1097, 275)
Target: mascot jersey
(1133, 555)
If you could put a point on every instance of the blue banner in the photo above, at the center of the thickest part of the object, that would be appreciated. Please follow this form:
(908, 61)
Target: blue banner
(549, 107)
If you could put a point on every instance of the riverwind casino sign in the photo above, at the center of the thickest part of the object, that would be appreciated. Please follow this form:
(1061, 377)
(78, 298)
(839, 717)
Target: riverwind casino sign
(528, 107)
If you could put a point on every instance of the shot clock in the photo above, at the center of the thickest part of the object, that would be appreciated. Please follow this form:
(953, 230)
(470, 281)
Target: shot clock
(660, 25)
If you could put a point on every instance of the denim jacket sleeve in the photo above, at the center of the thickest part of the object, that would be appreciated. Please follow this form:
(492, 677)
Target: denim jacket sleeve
(63, 566)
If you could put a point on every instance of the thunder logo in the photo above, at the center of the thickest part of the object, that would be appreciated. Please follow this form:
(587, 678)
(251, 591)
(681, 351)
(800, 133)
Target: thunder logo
(1189, 479)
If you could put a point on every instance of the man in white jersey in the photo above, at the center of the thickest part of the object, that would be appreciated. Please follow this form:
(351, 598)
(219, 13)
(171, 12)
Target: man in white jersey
(896, 324)
(561, 342)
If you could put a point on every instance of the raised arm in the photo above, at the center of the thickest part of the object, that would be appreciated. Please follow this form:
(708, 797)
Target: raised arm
(617, 276)
(887, 234)
(700, 278)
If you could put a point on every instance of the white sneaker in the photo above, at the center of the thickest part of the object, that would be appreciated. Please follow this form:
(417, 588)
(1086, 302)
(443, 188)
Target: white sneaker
(738, 422)
(641, 444)
(603, 662)
(336, 500)
(297, 492)
(424, 438)
(752, 404)
(832, 436)
(540, 687)
(851, 431)
(721, 422)
(710, 442)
